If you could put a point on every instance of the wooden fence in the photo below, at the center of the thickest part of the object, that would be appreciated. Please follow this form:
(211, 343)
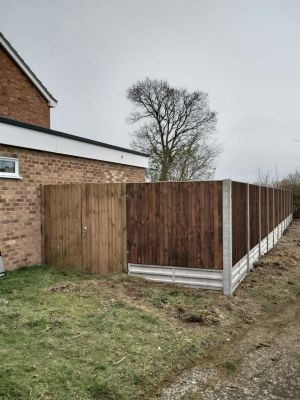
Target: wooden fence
(84, 227)
(175, 224)
(205, 234)
(256, 212)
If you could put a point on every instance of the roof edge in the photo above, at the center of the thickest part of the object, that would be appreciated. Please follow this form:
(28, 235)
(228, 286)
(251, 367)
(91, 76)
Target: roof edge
(52, 102)
(69, 136)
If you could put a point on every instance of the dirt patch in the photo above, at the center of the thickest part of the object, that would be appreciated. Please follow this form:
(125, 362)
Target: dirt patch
(265, 285)
(62, 287)
(260, 358)
(190, 315)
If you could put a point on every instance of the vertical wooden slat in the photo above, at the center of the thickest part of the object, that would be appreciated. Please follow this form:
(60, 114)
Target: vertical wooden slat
(169, 224)
(123, 232)
(174, 249)
(215, 200)
(271, 209)
(239, 221)
(254, 215)
(202, 223)
(264, 212)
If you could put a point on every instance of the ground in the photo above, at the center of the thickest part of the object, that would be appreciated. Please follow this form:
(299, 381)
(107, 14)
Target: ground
(67, 335)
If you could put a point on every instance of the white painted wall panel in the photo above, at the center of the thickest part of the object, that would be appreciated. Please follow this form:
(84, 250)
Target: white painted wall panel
(36, 140)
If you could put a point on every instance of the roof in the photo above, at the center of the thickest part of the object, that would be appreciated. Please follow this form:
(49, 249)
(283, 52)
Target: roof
(27, 136)
(69, 136)
(27, 71)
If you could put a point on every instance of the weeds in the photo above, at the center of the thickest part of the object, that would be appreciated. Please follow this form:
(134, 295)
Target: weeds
(229, 366)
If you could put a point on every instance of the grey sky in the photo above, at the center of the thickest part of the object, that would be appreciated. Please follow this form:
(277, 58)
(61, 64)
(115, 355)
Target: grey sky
(245, 54)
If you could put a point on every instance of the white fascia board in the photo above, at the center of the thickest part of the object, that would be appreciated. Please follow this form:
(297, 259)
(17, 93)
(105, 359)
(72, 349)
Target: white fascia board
(31, 139)
(28, 73)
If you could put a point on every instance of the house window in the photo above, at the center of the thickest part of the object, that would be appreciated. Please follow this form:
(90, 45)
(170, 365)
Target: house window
(9, 167)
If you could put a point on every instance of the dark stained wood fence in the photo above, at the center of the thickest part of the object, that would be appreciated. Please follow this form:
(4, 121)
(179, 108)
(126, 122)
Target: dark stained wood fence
(100, 227)
(175, 224)
(264, 212)
(268, 207)
(276, 211)
(254, 214)
(239, 220)
(271, 209)
(85, 227)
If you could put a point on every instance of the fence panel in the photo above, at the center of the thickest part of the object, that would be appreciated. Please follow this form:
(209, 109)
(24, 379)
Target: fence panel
(62, 225)
(277, 203)
(264, 211)
(254, 215)
(103, 228)
(85, 227)
(175, 224)
(239, 220)
(271, 209)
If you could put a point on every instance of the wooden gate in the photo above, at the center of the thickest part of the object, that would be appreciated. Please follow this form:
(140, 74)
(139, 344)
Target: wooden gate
(84, 227)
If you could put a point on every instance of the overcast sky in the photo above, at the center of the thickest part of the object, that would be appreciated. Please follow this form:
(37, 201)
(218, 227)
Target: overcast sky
(245, 54)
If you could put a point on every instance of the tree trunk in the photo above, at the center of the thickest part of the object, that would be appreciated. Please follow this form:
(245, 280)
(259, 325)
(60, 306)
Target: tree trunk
(164, 172)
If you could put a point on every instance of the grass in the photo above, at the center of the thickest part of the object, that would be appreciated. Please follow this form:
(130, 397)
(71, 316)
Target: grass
(67, 335)
(63, 338)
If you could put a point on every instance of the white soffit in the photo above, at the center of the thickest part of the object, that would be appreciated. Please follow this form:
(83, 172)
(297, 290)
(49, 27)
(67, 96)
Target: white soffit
(18, 136)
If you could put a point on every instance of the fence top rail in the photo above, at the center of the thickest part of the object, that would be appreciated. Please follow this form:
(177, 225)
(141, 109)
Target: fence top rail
(65, 185)
(263, 186)
(164, 182)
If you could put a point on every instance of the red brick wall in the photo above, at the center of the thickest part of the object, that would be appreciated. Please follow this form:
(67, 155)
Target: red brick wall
(19, 98)
(20, 218)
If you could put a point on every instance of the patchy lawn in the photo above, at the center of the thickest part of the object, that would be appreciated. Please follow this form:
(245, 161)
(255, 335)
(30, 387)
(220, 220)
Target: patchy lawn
(68, 336)
(65, 335)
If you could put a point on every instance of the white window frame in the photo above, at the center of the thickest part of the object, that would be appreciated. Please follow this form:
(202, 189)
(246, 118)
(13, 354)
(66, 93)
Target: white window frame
(13, 175)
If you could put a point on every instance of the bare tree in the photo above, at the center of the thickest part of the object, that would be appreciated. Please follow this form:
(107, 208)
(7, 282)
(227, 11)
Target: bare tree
(267, 178)
(290, 182)
(176, 130)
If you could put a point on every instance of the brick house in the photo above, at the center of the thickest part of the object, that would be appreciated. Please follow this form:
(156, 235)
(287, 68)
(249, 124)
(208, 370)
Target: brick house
(32, 154)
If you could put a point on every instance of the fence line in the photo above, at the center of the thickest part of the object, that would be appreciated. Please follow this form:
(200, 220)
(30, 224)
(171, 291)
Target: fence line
(270, 212)
(204, 234)
(253, 219)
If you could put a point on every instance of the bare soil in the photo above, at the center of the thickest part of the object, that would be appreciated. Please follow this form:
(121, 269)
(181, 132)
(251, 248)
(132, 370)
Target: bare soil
(261, 358)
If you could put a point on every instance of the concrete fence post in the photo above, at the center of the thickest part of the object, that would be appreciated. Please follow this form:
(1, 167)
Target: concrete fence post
(291, 206)
(248, 228)
(268, 222)
(274, 226)
(280, 213)
(284, 211)
(227, 237)
(259, 220)
(273, 215)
